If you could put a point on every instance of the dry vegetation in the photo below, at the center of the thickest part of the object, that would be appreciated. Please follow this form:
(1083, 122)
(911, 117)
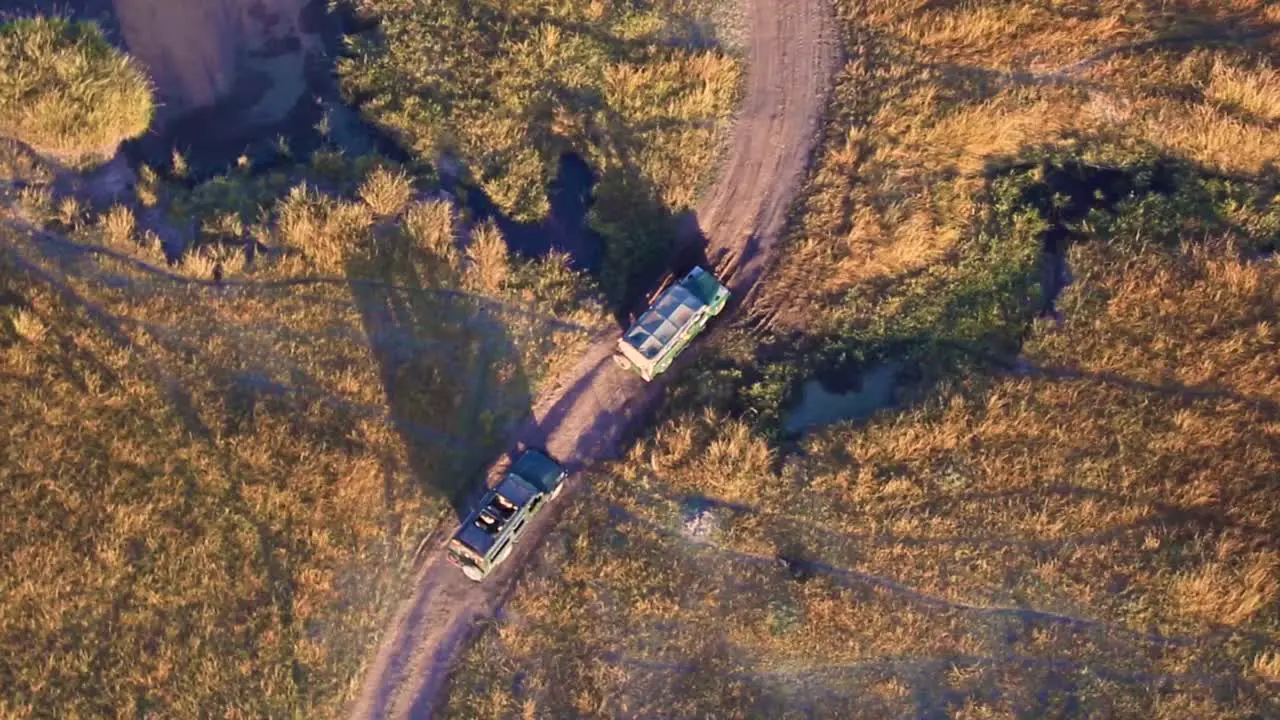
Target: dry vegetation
(65, 91)
(1072, 515)
(243, 402)
(225, 465)
(933, 94)
(1093, 536)
(505, 88)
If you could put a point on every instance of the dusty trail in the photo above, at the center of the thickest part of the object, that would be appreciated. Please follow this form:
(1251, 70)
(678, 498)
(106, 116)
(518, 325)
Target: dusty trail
(791, 53)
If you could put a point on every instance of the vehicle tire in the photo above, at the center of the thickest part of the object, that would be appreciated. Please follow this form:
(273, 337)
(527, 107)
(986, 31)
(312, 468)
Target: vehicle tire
(622, 362)
(556, 493)
(472, 572)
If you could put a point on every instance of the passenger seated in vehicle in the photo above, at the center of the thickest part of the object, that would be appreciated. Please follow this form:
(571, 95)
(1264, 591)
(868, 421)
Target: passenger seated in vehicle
(487, 522)
(505, 506)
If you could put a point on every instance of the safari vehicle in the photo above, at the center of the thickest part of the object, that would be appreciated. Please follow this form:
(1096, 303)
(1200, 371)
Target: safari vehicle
(671, 323)
(489, 533)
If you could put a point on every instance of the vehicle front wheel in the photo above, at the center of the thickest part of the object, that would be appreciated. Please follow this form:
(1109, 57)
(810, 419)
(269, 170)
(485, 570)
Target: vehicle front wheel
(472, 572)
(556, 493)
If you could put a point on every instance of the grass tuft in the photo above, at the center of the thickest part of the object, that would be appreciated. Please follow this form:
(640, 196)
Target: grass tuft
(118, 226)
(386, 192)
(488, 261)
(29, 326)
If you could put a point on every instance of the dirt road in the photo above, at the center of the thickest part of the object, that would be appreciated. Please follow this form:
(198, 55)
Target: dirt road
(791, 51)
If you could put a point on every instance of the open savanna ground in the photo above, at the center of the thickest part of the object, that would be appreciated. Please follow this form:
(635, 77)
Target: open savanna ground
(1056, 223)
(216, 487)
(1092, 534)
(236, 406)
(937, 97)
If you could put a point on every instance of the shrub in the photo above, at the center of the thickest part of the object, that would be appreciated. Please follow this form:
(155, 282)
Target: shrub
(118, 226)
(489, 263)
(430, 226)
(386, 192)
(325, 229)
(67, 92)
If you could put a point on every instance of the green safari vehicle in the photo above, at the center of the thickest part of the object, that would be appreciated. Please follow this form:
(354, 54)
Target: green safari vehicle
(673, 320)
(489, 533)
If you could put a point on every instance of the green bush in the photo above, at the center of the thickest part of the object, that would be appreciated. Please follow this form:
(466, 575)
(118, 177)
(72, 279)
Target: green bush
(65, 91)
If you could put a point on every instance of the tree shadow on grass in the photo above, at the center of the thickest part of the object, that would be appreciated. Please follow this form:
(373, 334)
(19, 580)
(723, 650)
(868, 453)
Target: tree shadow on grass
(1016, 632)
(629, 242)
(470, 384)
(273, 549)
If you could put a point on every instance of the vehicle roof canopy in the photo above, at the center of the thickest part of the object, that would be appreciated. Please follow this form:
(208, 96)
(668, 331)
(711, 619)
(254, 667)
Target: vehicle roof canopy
(664, 321)
(480, 540)
(516, 489)
(476, 539)
(704, 285)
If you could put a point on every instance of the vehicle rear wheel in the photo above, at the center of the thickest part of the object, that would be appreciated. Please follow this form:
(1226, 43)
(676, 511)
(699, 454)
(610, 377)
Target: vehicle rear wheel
(622, 362)
(472, 572)
(556, 493)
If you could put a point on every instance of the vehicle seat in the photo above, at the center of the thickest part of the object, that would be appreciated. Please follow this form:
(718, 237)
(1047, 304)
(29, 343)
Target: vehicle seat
(488, 522)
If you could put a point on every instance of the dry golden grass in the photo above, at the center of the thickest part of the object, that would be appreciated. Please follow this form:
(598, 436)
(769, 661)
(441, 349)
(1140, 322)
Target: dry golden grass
(431, 226)
(386, 192)
(234, 478)
(19, 165)
(118, 226)
(935, 94)
(326, 229)
(488, 261)
(223, 549)
(1089, 533)
(1268, 666)
(1091, 536)
(65, 91)
(1255, 91)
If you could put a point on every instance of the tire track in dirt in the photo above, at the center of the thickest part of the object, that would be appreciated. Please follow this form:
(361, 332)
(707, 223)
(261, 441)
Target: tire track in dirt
(792, 52)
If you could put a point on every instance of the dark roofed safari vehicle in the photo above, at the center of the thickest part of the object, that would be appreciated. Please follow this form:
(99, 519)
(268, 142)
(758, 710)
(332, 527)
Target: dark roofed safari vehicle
(488, 534)
(671, 323)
